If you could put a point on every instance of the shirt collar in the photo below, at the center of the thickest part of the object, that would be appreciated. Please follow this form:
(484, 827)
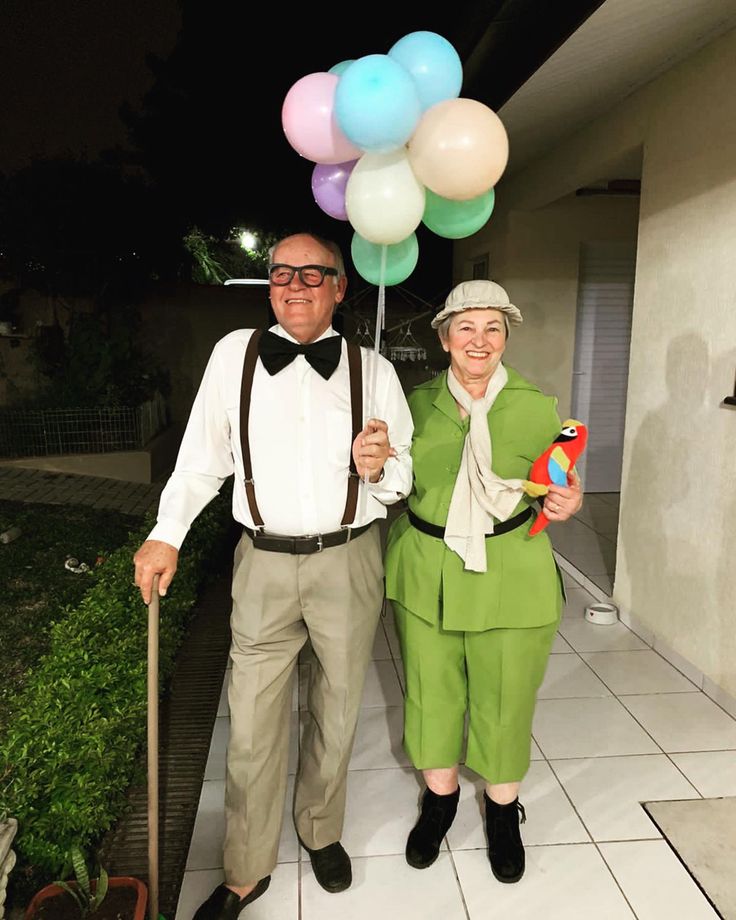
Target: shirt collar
(279, 330)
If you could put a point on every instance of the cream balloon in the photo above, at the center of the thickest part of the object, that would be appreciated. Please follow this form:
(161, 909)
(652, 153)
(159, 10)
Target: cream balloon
(384, 200)
(459, 149)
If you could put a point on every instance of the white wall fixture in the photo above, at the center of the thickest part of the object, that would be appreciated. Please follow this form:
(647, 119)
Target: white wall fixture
(602, 614)
(8, 830)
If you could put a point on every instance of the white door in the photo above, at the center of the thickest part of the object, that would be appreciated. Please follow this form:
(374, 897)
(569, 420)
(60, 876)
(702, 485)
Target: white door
(601, 365)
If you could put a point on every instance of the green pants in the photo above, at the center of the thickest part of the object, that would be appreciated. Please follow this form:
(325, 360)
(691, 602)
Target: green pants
(492, 676)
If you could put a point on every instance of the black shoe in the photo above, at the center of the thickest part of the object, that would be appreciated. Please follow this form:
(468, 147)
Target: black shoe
(435, 819)
(331, 867)
(224, 904)
(505, 849)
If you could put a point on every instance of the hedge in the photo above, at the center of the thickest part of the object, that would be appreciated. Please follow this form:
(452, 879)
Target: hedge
(79, 722)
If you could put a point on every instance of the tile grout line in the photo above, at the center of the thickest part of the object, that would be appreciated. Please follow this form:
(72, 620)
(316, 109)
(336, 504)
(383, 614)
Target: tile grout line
(457, 879)
(616, 881)
(684, 865)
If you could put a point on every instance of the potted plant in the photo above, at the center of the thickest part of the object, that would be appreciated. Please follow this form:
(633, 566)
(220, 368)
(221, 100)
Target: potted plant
(103, 898)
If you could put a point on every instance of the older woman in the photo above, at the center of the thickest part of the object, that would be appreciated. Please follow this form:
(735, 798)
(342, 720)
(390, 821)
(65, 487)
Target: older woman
(477, 600)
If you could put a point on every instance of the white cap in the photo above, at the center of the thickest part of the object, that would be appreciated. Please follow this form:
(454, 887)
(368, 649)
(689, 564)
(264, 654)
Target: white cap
(478, 295)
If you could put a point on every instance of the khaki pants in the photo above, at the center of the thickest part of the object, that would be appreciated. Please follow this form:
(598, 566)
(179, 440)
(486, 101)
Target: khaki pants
(333, 598)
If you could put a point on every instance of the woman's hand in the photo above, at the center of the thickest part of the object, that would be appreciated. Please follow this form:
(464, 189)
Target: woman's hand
(564, 501)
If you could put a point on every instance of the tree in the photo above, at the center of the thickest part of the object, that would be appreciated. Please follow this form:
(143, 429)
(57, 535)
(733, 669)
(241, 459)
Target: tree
(84, 233)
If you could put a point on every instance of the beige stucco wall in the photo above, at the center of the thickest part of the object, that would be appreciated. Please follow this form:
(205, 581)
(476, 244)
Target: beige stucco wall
(678, 509)
(535, 255)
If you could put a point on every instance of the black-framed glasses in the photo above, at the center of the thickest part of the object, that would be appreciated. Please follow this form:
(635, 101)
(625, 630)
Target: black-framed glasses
(309, 275)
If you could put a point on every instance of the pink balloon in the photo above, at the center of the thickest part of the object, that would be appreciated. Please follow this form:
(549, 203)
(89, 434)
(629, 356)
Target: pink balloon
(328, 187)
(309, 124)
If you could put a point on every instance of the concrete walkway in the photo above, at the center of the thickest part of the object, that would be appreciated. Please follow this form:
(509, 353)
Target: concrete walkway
(68, 489)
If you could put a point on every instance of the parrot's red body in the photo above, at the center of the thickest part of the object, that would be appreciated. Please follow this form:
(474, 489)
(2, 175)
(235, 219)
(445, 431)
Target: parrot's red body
(556, 462)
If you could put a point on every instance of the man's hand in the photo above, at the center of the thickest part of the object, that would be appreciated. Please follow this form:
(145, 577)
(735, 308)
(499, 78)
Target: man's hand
(371, 449)
(155, 558)
(564, 501)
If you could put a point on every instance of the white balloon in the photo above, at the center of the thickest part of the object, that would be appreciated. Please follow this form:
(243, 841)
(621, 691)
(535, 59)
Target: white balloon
(384, 199)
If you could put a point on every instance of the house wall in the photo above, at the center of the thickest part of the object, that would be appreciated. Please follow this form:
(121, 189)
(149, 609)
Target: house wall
(674, 570)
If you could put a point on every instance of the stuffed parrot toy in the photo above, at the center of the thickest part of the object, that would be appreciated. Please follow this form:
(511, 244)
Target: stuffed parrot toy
(554, 464)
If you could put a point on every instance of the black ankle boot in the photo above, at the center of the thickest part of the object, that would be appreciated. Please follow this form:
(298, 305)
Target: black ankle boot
(505, 849)
(425, 839)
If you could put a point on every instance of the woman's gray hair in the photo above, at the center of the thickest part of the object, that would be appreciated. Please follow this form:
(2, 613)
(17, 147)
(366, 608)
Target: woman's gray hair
(443, 330)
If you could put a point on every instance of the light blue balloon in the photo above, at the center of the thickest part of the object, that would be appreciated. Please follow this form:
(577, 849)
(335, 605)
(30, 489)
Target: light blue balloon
(433, 63)
(376, 104)
(340, 68)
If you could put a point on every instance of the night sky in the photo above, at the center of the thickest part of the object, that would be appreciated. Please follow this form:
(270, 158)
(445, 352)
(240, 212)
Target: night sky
(211, 132)
(66, 67)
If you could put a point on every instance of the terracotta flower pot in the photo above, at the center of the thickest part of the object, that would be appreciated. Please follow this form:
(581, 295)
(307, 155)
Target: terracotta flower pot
(51, 891)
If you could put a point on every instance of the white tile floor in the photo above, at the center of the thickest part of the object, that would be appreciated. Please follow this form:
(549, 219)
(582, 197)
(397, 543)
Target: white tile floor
(615, 725)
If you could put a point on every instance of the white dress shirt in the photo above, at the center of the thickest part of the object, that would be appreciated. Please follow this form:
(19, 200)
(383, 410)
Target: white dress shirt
(300, 432)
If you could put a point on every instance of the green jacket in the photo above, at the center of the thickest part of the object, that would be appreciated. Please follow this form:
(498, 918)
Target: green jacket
(522, 586)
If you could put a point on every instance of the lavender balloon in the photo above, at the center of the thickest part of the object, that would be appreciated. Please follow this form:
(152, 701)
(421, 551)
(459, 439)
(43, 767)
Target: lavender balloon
(328, 187)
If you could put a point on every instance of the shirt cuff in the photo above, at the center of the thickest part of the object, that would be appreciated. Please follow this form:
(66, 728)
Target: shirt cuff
(388, 489)
(170, 531)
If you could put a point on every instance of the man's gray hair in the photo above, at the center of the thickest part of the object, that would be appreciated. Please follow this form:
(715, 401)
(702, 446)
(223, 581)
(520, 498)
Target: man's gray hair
(329, 245)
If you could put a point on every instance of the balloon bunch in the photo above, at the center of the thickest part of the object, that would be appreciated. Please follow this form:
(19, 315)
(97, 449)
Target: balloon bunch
(394, 146)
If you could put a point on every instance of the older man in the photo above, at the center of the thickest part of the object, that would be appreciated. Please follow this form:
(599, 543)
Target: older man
(283, 410)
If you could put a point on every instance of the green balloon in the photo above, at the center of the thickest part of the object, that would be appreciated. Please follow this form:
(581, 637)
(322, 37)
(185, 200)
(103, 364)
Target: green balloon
(340, 68)
(401, 259)
(457, 219)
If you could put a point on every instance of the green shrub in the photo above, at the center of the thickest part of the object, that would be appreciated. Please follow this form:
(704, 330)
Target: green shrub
(37, 589)
(80, 720)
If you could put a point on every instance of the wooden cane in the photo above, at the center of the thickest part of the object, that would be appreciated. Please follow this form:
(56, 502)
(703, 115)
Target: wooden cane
(153, 611)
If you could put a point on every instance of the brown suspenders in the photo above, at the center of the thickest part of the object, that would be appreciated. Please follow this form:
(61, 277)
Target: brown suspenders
(246, 387)
(356, 404)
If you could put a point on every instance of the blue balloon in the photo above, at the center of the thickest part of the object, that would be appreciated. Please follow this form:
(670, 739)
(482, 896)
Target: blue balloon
(433, 63)
(340, 68)
(376, 104)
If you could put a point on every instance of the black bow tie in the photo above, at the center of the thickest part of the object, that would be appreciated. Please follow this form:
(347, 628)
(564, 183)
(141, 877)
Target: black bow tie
(276, 352)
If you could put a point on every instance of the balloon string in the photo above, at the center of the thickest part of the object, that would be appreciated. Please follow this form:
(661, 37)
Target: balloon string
(380, 323)
(380, 320)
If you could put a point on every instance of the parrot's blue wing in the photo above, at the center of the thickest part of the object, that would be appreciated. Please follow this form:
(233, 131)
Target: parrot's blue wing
(556, 473)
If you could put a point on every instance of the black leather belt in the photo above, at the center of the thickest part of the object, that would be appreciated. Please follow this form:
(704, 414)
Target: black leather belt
(503, 527)
(303, 546)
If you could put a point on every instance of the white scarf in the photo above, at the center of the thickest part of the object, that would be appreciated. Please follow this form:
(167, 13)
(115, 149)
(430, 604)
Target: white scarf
(479, 494)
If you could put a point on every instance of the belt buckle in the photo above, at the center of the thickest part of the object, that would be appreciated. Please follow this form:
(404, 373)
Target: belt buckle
(320, 544)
